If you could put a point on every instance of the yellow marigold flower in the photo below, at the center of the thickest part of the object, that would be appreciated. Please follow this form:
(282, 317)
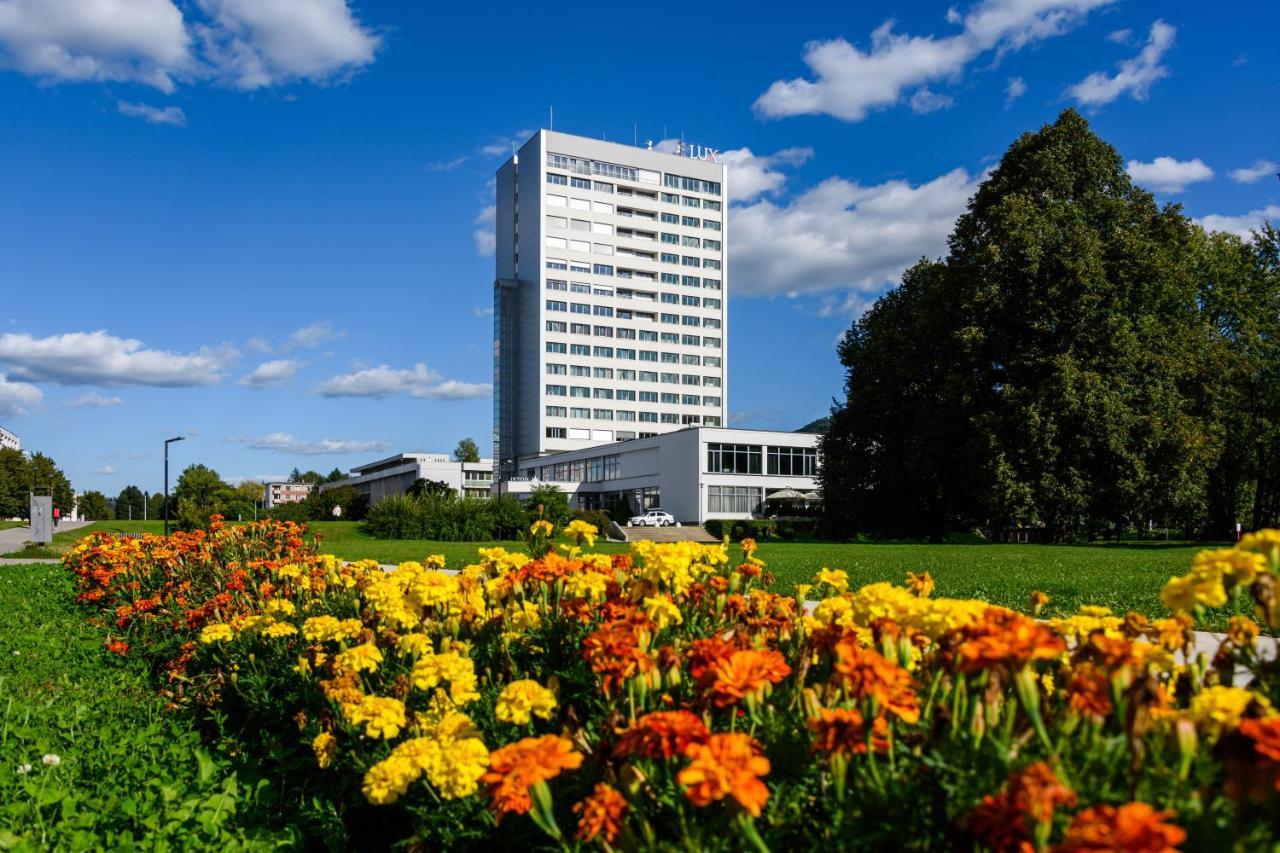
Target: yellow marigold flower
(216, 632)
(837, 579)
(289, 571)
(1264, 542)
(591, 586)
(362, 658)
(430, 670)
(519, 699)
(433, 589)
(325, 746)
(921, 585)
(542, 527)
(1198, 587)
(1242, 631)
(280, 605)
(1095, 611)
(414, 644)
(663, 611)
(435, 561)
(834, 611)
(331, 628)
(583, 531)
(462, 764)
(388, 779)
(280, 629)
(1219, 707)
(382, 716)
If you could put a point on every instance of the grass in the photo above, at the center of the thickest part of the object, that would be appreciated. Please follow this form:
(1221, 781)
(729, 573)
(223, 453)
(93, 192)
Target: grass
(6, 524)
(88, 757)
(1125, 576)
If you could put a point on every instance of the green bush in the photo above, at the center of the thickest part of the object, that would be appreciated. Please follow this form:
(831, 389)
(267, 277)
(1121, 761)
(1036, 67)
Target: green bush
(763, 529)
(446, 518)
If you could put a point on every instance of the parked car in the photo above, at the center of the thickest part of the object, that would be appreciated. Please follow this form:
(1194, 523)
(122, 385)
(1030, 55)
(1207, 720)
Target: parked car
(652, 518)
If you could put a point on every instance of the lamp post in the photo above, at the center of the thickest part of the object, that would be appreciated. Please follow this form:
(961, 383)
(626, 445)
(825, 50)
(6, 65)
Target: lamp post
(167, 442)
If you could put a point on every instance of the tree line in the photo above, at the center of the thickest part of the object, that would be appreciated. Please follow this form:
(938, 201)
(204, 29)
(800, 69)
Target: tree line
(1083, 362)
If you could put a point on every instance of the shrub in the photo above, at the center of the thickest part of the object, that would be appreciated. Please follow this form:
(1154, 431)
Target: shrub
(667, 700)
(446, 518)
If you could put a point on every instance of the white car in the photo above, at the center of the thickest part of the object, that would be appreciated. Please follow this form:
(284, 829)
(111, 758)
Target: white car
(652, 518)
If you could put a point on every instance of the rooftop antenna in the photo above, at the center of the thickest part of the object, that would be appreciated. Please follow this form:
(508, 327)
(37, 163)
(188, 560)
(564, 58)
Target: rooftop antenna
(553, 118)
(635, 135)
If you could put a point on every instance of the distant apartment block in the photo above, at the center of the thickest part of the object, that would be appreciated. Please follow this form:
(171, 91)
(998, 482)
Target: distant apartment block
(275, 494)
(9, 440)
(396, 474)
(610, 296)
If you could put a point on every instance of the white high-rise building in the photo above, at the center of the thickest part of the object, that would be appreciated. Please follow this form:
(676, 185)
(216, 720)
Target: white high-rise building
(610, 297)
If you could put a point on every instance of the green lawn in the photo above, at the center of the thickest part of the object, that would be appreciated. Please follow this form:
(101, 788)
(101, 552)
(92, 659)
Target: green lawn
(5, 524)
(1123, 577)
(88, 758)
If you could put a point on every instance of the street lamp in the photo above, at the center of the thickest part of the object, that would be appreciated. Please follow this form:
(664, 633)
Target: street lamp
(167, 442)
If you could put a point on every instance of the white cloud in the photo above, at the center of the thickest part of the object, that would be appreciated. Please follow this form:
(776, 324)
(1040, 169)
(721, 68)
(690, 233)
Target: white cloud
(257, 43)
(1166, 174)
(258, 344)
(312, 336)
(484, 234)
(243, 43)
(505, 147)
(155, 115)
(1014, 89)
(926, 101)
(482, 311)
(282, 442)
(139, 41)
(97, 358)
(848, 83)
(94, 400)
(1252, 174)
(271, 373)
(105, 470)
(1243, 224)
(18, 398)
(447, 165)
(1134, 77)
(1119, 36)
(750, 176)
(417, 381)
(841, 234)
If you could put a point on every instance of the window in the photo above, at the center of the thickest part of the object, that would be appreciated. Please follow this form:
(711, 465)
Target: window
(648, 396)
(579, 225)
(793, 461)
(625, 415)
(673, 239)
(742, 500)
(711, 205)
(579, 413)
(711, 420)
(670, 278)
(711, 224)
(579, 391)
(627, 334)
(602, 414)
(691, 301)
(555, 390)
(671, 318)
(648, 355)
(625, 374)
(669, 180)
(580, 245)
(670, 358)
(649, 417)
(690, 399)
(579, 287)
(710, 302)
(711, 401)
(671, 378)
(690, 320)
(690, 201)
(711, 381)
(690, 261)
(579, 308)
(691, 221)
(625, 353)
(734, 458)
(602, 291)
(714, 343)
(559, 348)
(646, 335)
(711, 360)
(693, 242)
(710, 323)
(624, 394)
(557, 221)
(602, 352)
(602, 393)
(557, 201)
(602, 311)
(691, 359)
(710, 263)
(560, 180)
(556, 284)
(602, 331)
(557, 326)
(648, 376)
(671, 218)
(711, 283)
(579, 370)
(555, 432)
(711, 244)
(605, 228)
(602, 269)
(691, 184)
(557, 412)
(579, 329)
(580, 183)
(711, 187)
(670, 338)
(556, 369)
(556, 264)
(601, 187)
(555, 305)
(671, 198)
(690, 379)
(671, 298)
(690, 341)
(670, 418)
(690, 281)
(579, 349)
(668, 258)
(671, 399)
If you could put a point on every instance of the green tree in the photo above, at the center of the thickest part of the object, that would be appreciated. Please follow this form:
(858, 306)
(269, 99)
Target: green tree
(547, 501)
(93, 506)
(199, 493)
(336, 475)
(466, 451)
(130, 503)
(20, 473)
(423, 486)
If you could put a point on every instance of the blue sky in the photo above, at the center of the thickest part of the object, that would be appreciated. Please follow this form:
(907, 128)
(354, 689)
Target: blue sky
(262, 223)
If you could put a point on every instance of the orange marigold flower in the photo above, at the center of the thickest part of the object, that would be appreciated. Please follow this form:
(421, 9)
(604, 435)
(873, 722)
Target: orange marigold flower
(840, 731)
(517, 767)
(1255, 771)
(614, 653)
(1003, 637)
(600, 814)
(662, 734)
(867, 674)
(1089, 691)
(1131, 828)
(744, 673)
(727, 765)
(119, 647)
(999, 822)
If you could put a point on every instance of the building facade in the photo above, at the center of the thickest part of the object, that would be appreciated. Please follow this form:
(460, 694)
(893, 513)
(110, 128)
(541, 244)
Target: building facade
(275, 494)
(610, 296)
(395, 474)
(9, 440)
(697, 474)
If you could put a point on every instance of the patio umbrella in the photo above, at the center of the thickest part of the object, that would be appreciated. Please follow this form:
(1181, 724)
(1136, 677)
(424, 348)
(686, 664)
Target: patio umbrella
(786, 495)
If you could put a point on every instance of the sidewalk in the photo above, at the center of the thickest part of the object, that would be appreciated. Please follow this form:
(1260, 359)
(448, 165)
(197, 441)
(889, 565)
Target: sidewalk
(15, 538)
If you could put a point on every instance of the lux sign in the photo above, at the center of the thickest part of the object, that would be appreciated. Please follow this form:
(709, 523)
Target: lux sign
(693, 152)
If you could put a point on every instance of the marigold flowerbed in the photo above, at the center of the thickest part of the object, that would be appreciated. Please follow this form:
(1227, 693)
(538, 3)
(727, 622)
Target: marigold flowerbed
(665, 700)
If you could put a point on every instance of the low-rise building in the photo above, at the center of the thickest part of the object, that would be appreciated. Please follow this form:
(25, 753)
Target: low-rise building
(396, 474)
(275, 494)
(696, 474)
(9, 440)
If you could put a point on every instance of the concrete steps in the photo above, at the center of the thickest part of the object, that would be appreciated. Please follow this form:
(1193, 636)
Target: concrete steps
(688, 533)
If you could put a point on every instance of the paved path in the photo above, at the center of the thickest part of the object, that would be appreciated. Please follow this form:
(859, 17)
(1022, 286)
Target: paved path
(15, 538)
